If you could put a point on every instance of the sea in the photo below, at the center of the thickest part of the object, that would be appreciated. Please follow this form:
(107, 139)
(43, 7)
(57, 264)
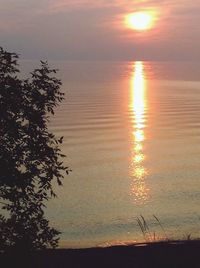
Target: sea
(132, 140)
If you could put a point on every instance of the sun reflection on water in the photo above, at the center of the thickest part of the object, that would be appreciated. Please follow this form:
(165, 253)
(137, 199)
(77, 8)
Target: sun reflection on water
(138, 108)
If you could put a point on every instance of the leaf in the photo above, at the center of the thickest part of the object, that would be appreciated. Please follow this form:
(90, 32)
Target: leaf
(30, 158)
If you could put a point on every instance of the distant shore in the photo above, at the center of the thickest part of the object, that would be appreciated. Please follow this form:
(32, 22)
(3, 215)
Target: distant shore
(173, 254)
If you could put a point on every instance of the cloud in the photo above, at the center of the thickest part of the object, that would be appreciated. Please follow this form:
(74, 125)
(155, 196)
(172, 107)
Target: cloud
(95, 29)
(63, 5)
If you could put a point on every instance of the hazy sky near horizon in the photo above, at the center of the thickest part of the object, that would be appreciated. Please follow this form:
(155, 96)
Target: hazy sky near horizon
(95, 30)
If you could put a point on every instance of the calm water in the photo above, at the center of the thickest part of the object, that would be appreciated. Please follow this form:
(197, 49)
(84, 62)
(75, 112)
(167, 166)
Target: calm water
(132, 139)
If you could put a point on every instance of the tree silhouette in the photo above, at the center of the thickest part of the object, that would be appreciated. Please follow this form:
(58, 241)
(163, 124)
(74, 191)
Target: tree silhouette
(30, 157)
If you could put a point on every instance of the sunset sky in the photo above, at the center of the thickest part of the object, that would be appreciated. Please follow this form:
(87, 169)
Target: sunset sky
(97, 30)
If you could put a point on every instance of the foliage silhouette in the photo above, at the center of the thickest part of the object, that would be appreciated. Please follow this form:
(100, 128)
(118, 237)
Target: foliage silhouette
(30, 157)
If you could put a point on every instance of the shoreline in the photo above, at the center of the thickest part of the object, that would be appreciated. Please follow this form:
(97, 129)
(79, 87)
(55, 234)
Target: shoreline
(166, 254)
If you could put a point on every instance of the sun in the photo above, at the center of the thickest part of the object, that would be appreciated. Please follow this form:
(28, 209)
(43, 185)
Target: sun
(140, 20)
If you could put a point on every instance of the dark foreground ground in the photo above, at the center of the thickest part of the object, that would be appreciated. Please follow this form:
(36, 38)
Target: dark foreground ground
(155, 255)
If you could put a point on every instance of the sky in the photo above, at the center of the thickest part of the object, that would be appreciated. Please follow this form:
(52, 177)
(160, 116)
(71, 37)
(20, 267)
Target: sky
(95, 29)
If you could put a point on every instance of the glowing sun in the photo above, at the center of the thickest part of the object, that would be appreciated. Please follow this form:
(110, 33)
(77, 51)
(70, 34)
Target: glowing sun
(140, 20)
